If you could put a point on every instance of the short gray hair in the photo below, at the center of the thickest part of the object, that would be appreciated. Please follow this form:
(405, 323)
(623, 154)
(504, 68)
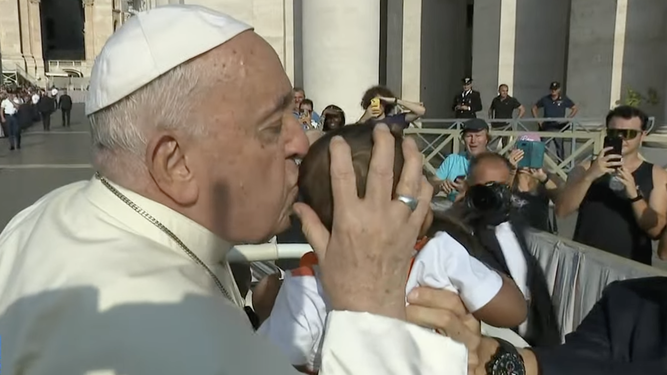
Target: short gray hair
(166, 103)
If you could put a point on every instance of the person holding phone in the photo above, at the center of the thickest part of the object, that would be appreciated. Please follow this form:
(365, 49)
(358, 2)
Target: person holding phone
(533, 188)
(381, 105)
(621, 198)
(451, 175)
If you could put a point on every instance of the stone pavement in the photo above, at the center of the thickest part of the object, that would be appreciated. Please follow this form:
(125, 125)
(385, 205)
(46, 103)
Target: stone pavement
(46, 161)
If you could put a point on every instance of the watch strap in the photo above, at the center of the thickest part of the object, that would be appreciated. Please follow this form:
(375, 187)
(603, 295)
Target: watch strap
(638, 197)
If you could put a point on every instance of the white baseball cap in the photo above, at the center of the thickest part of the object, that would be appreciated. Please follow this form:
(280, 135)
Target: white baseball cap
(152, 43)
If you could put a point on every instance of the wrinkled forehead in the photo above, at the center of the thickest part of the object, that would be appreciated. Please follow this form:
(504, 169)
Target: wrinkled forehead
(247, 83)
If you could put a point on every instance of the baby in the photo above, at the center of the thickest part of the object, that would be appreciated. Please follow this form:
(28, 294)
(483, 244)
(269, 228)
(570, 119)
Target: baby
(297, 321)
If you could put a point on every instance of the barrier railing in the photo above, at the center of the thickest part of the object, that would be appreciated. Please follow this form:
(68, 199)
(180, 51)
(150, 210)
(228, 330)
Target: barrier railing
(438, 138)
(576, 274)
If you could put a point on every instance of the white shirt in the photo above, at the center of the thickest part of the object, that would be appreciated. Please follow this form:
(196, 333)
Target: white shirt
(35, 98)
(516, 262)
(91, 287)
(10, 106)
(297, 321)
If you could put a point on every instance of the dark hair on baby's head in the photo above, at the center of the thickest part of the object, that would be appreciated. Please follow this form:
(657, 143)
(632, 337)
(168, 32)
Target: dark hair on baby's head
(315, 172)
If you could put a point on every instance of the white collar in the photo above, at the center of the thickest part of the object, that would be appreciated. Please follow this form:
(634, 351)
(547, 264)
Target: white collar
(210, 248)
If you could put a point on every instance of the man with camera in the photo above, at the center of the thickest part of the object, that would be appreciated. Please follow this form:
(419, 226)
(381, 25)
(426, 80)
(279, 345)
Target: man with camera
(488, 210)
(621, 198)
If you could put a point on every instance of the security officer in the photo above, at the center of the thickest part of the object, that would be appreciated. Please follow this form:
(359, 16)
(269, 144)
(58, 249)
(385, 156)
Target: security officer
(468, 102)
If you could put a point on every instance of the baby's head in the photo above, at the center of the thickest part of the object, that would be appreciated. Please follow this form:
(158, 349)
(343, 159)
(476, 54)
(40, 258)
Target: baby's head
(314, 172)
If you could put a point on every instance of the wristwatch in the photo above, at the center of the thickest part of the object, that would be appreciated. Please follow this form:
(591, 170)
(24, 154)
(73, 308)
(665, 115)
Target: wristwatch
(637, 198)
(506, 361)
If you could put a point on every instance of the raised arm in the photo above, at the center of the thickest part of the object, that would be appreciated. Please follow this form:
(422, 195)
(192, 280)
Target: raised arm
(580, 180)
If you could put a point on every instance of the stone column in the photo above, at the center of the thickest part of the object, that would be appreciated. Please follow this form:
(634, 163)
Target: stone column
(26, 51)
(10, 35)
(341, 51)
(592, 50)
(520, 43)
(36, 38)
(411, 51)
(89, 33)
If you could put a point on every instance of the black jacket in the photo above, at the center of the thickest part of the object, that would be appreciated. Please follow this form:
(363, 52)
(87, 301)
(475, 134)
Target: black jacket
(46, 104)
(624, 333)
(472, 100)
(65, 102)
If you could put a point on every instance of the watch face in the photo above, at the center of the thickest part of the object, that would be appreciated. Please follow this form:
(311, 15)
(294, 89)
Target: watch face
(507, 364)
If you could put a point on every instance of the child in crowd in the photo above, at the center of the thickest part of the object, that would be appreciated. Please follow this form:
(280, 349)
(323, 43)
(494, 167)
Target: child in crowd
(297, 320)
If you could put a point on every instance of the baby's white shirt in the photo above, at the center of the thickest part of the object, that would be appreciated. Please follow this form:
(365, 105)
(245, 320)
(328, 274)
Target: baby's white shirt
(298, 318)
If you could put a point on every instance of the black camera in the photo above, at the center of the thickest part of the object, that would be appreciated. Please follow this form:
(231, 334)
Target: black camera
(492, 197)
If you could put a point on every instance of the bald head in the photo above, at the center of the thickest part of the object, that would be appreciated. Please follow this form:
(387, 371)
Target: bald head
(489, 167)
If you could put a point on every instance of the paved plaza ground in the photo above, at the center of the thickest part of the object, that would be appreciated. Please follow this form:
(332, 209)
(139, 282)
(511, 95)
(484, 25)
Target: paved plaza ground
(61, 156)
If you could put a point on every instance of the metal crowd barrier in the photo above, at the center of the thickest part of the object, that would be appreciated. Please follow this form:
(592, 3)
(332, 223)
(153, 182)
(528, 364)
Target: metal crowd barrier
(582, 139)
(576, 274)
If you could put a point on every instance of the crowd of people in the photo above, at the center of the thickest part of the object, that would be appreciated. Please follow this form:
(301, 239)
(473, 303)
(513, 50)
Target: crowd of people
(127, 273)
(21, 106)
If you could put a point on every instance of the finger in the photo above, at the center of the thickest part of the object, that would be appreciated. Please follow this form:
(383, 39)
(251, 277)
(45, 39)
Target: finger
(313, 229)
(412, 174)
(437, 298)
(443, 321)
(424, 204)
(343, 180)
(381, 170)
(604, 151)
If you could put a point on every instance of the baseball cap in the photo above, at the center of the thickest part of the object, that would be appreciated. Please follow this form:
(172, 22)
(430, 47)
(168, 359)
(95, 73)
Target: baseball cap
(466, 80)
(150, 44)
(554, 85)
(475, 125)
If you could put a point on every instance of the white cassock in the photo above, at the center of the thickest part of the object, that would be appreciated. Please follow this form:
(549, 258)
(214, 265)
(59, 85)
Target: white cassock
(89, 286)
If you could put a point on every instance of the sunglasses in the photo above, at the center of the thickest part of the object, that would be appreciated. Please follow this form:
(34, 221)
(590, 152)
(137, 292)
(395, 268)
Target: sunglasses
(623, 133)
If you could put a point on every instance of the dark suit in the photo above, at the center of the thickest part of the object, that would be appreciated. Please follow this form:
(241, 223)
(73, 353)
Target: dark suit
(470, 99)
(65, 105)
(625, 333)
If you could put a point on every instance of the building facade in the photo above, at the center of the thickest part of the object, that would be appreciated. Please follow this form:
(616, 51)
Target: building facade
(598, 49)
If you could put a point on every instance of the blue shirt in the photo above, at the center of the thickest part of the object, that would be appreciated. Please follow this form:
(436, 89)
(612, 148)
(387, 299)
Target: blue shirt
(455, 165)
(555, 108)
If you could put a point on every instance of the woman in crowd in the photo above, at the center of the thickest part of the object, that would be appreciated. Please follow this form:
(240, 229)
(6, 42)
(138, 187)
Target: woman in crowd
(533, 190)
(332, 118)
(381, 105)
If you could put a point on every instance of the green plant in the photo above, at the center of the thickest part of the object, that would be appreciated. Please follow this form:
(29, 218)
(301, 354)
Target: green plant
(635, 98)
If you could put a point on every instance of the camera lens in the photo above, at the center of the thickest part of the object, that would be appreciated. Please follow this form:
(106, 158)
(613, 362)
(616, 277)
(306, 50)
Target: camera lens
(483, 198)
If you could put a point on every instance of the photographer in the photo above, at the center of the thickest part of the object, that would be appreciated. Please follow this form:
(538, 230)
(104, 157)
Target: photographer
(381, 105)
(619, 210)
(487, 209)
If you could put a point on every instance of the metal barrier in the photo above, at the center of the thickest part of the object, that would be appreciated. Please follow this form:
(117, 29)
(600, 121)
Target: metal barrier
(439, 137)
(576, 274)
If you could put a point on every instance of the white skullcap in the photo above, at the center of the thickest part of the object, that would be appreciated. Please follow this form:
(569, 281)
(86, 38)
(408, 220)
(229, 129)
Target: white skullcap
(152, 43)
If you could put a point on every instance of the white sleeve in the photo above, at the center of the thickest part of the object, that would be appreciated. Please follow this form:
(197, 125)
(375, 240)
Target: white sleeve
(365, 344)
(444, 262)
(296, 324)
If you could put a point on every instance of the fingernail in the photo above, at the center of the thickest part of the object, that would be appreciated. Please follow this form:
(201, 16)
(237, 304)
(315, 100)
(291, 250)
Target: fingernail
(337, 138)
(413, 295)
(382, 126)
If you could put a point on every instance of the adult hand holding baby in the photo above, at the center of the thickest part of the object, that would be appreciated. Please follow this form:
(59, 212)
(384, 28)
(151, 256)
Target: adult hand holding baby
(365, 259)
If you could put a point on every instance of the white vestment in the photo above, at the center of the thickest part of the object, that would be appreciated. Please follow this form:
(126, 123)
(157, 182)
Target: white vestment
(89, 286)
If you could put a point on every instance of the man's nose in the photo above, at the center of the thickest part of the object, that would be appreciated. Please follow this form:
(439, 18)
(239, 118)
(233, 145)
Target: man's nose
(296, 142)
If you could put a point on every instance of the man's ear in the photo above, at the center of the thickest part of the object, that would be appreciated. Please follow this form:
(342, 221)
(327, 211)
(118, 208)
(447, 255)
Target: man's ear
(167, 163)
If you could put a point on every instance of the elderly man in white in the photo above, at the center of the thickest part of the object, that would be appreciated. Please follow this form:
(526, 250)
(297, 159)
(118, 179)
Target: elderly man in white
(195, 145)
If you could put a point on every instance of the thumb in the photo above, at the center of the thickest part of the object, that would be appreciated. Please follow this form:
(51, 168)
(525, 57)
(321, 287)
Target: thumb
(311, 226)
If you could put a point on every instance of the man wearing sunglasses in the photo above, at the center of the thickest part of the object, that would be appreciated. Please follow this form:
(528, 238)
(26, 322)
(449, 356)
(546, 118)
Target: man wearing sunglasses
(622, 199)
